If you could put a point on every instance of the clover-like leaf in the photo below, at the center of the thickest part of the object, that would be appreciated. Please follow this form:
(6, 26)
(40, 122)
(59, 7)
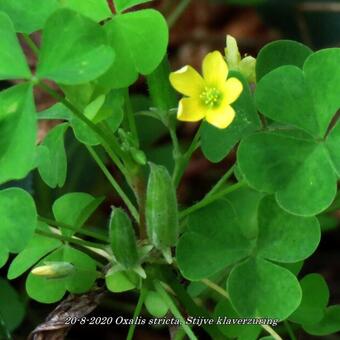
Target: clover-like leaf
(28, 15)
(293, 166)
(18, 132)
(217, 143)
(140, 40)
(279, 231)
(77, 54)
(122, 5)
(315, 296)
(259, 288)
(38, 247)
(332, 144)
(47, 290)
(52, 161)
(212, 242)
(74, 209)
(12, 308)
(308, 98)
(280, 53)
(329, 324)
(18, 219)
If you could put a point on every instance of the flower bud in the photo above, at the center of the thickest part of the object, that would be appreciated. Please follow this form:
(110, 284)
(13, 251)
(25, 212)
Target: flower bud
(54, 270)
(246, 65)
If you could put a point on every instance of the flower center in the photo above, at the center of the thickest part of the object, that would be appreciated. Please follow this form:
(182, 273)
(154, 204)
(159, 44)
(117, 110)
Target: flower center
(211, 96)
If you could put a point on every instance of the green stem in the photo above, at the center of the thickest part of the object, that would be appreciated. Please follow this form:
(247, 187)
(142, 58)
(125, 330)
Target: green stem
(220, 183)
(136, 313)
(177, 12)
(85, 232)
(31, 44)
(184, 159)
(71, 239)
(104, 141)
(225, 294)
(215, 287)
(131, 118)
(290, 330)
(174, 310)
(207, 200)
(114, 183)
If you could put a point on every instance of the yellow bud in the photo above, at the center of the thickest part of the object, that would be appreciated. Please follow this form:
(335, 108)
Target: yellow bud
(246, 65)
(53, 270)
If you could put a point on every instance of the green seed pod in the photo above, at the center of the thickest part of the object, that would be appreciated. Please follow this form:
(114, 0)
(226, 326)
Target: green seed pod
(123, 239)
(161, 208)
(54, 270)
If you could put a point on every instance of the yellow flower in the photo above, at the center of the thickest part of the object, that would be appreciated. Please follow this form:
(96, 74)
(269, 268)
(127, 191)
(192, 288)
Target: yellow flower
(208, 97)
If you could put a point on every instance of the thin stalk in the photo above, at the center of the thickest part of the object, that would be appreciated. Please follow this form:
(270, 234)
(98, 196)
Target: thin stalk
(105, 142)
(31, 44)
(207, 200)
(184, 159)
(85, 232)
(131, 118)
(220, 183)
(177, 12)
(174, 310)
(136, 313)
(290, 330)
(114, 183)
(64, 238)
(225, 294)
(215, 287)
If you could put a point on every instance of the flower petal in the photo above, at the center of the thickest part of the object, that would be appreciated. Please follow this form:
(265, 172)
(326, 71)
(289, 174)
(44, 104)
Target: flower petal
(187, 81)
(232, 90)
(215, 68)
(222, 117)
(190, 110)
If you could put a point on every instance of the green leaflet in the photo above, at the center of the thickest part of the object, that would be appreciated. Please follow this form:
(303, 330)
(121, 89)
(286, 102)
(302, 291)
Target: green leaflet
(77, 54)
(13, 237)
(212, 242)
(18, 132)
(38, 247)
(217, 143)
(12, 309)
(52, 161)
(74, 209)
(279, 53)
(140, 40)
(293, 166)
(259, 288)
(28, 15)
(315, 296)
(329, 324)
(46, 290)
(10, 50)
(308, 98)
(96, 10)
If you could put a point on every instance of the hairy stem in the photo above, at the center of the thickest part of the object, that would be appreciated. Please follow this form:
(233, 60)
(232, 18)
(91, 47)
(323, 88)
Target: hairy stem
(85, 232)
(177, 12)
(114, 183)
(207, 200)
(136, 313)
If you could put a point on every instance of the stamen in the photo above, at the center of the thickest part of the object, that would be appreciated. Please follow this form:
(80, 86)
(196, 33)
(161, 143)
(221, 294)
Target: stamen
(211, 96)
